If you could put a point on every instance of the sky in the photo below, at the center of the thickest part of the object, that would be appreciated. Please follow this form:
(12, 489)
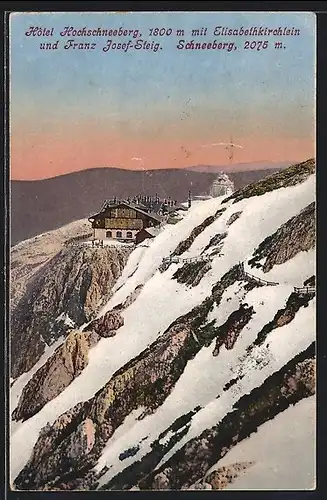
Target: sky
(74, 109)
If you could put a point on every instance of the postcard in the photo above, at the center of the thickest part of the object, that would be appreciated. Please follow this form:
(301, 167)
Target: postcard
(162, 251)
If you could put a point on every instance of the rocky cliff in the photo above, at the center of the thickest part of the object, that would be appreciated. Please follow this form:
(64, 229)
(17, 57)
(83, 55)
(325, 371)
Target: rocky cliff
(68, 361)
(28, 256)
(288, 177)
(296, 235)
(61, 295)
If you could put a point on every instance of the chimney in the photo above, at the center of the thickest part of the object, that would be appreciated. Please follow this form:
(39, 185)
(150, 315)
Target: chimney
(189, 199)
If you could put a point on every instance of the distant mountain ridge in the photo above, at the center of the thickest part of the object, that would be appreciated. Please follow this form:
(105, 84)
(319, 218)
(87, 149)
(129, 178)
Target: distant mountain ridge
(241, 167)
(44, 205)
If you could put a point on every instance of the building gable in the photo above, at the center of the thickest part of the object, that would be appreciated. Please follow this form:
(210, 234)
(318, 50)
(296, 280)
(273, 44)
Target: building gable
(124, 210)
(123, 216)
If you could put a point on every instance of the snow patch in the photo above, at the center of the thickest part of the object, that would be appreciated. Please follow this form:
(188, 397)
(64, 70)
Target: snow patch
(283, 454)
(66, 320)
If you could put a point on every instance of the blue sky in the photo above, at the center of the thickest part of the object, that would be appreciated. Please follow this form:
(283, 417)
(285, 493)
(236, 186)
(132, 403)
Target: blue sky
(142, 90)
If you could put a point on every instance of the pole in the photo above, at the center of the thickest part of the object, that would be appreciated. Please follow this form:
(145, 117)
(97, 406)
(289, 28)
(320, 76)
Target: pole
(143, 177)
(231, 150)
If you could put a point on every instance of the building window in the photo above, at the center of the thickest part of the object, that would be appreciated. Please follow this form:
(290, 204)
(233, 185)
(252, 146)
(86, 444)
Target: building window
(108, 234)
(119, 234)
(129, 234)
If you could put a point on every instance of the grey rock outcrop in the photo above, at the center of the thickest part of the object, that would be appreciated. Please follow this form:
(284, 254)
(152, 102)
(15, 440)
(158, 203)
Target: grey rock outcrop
(298, 234)
(233, 218)
(68, 361)
(191, 273)
(74, 285)
(56, 374)
(223, 476)
(228, 332)
(185, 244)
(108, 324)
(290, 176)
(282, 317)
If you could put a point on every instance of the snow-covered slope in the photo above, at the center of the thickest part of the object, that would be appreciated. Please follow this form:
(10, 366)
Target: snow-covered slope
(283, 452)
(157, 395)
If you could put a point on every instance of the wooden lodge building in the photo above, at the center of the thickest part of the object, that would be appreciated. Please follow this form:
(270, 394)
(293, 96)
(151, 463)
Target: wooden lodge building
(124, 219)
